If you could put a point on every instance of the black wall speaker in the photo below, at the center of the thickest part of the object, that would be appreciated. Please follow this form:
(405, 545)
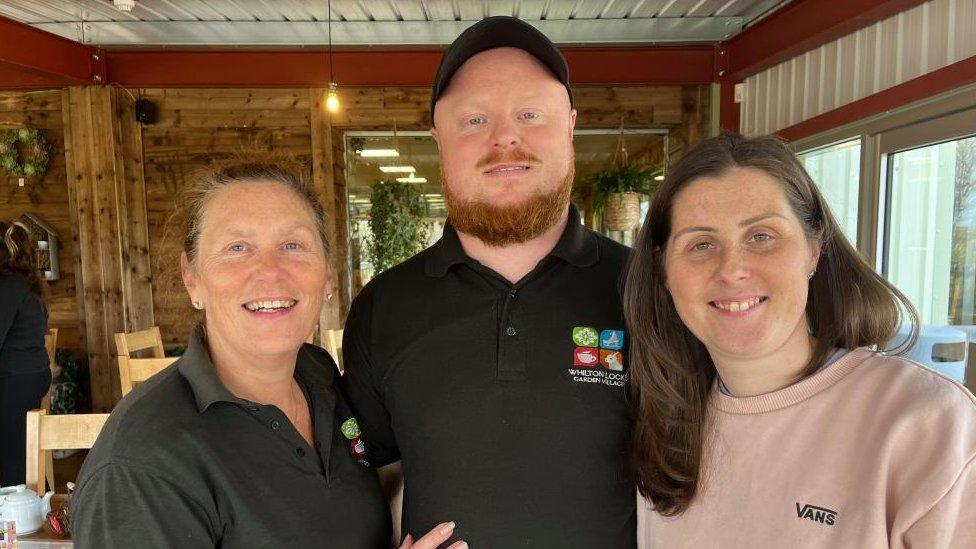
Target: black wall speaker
(145, 111)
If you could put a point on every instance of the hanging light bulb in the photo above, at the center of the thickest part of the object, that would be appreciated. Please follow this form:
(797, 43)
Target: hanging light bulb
(332, 99)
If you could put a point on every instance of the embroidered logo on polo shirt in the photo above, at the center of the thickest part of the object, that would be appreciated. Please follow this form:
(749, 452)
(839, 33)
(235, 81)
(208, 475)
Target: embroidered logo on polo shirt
(588, 357)
(612, 360)
(350, 430)
(584, 336)
(598, 356)
(816, 514)
(612, 339)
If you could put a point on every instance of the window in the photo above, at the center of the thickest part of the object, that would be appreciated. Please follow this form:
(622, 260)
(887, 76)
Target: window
(930, 244)
(836, 170)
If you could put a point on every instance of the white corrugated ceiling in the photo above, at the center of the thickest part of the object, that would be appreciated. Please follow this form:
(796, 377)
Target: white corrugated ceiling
(382, 22)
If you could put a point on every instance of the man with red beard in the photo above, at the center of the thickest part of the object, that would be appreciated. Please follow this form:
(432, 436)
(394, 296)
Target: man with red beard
(492, 365)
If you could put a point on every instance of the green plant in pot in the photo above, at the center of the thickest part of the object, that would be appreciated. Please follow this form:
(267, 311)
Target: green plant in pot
(616, 193)
(396, 222)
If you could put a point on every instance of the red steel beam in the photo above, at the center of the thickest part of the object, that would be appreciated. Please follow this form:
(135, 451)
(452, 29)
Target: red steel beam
(588, 66)
(801, 26)
(43, 57)
(942, 80)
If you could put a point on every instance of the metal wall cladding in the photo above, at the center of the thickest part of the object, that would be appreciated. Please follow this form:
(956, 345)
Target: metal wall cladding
(908, 45)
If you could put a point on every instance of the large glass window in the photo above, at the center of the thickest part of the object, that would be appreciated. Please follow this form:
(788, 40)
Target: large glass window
(837, 172)
(930, 245)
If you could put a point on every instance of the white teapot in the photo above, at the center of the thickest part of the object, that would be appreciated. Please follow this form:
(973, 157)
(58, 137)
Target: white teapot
(24, 508)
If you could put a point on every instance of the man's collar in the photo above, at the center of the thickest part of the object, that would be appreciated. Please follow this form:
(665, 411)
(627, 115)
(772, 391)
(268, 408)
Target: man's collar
(199, 371)
(577, 246)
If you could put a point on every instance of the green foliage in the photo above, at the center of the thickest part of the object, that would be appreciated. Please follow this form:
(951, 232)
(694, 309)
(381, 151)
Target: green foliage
(29, 159)
(64, 394)
(621, 179)
(396, 223)
(175, 351)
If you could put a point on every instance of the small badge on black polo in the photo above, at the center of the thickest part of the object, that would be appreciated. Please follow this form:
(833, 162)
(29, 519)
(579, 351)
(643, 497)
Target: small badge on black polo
(598, 356)
(357, 447)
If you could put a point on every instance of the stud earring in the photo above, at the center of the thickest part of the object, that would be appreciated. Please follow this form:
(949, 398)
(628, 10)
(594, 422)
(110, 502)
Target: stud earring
(812, 272)
(196, 305)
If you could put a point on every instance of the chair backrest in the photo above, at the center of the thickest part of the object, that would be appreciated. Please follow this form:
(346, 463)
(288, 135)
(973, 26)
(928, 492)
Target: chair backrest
(50, 345)
(137, 370)
(332, 342)
(56, 432)
(128, 343)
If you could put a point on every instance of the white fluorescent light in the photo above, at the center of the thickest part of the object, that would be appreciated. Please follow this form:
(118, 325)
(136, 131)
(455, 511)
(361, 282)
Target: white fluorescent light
(378, 153)
(412, 179)
(398, 169)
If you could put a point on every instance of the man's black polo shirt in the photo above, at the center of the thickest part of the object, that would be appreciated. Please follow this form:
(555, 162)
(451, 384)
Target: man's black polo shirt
(182, 462)
(506, 402)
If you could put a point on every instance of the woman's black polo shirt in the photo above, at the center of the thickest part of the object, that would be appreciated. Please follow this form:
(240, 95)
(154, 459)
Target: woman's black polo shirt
(182, 462)
(507, 403)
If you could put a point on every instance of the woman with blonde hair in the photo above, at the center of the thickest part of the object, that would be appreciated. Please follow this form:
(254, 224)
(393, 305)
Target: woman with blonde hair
(766, 416)
(24, 372)
(247, 440)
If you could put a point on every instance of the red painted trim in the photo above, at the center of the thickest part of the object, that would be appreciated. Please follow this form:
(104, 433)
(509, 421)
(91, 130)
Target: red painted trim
(729, 110)
(60, 60)
(801, 26)
(588, 66)
(936, 82)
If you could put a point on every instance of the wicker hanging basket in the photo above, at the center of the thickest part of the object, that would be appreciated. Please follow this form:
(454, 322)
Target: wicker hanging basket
(622, 211)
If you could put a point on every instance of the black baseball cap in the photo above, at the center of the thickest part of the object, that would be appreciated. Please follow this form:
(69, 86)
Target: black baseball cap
(498, 32)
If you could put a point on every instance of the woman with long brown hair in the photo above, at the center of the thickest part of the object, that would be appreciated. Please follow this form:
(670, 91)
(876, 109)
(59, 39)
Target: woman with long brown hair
(765, 416)
(24, 372)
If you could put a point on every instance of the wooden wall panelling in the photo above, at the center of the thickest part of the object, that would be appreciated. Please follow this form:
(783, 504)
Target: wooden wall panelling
(47, 198)
(98, 183)
(335, 305)
(137, 270)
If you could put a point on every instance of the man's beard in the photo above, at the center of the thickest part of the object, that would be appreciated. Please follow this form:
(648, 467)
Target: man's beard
(503, 225)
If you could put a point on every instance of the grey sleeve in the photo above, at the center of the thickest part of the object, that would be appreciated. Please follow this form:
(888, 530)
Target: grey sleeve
(121, 506)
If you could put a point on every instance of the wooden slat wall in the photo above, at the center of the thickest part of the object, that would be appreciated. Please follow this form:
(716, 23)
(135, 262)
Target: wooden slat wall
(47, 198)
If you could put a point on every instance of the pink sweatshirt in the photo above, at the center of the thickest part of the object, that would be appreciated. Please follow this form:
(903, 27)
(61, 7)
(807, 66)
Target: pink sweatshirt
(873, 451)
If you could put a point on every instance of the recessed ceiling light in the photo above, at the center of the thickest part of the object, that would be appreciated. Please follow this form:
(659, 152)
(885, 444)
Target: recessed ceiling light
(378, 153)
(412, 179)
(398, 169)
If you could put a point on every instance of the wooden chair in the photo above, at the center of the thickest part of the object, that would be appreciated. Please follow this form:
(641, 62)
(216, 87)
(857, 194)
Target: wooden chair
(128, 343)
(137, 370)
(50, 345)
(56, 432)
(332, 342)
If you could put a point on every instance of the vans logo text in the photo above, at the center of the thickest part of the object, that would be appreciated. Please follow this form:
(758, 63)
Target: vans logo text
(816, 514)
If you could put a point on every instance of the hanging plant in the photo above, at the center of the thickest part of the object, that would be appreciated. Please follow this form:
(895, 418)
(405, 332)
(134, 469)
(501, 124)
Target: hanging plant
(24, 152)
(396, 223)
